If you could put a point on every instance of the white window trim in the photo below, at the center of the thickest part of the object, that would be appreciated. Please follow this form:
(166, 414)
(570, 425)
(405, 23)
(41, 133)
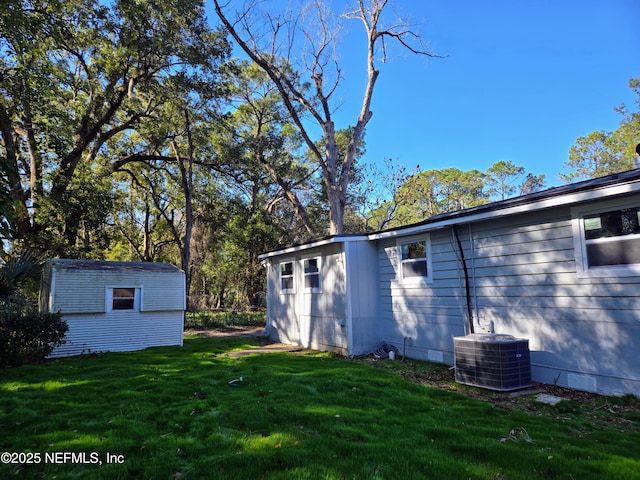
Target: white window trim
(577, 224)
(304, 274)
(137, 300)
(414, 280)
(291, 290)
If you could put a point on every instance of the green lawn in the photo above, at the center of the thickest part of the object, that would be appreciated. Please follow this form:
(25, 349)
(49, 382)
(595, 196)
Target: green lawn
(169, 413)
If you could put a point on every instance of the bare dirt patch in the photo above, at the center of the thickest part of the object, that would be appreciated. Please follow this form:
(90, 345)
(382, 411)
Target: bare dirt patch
(265, 344)
(227, 332)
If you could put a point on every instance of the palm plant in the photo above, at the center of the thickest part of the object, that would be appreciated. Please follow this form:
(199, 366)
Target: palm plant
(17, 272)
(26, 335)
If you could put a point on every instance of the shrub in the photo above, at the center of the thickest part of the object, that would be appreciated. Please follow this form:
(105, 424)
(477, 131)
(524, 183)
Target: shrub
(29, 336)
(221, 320)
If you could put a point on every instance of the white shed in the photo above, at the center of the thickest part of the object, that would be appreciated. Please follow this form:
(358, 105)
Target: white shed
(115, 306)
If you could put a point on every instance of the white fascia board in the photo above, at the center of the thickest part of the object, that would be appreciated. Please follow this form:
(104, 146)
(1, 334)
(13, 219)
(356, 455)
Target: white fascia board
(306, 246)
(542, 204)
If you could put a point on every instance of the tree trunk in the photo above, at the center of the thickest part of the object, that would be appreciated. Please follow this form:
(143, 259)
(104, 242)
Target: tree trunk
(186, 173)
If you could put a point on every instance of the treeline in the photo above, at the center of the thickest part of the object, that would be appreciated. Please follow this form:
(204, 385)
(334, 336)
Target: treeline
(427, 193)
(128, 132)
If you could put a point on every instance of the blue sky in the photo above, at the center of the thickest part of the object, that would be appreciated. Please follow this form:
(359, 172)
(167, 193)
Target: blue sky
(521, 81)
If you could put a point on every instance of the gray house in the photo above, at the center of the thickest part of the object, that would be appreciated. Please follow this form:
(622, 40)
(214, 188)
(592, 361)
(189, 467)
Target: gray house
(115, 306)
(560, 268)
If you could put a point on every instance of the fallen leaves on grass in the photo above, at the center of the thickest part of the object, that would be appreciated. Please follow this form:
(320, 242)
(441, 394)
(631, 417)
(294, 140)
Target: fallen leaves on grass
(516, 434)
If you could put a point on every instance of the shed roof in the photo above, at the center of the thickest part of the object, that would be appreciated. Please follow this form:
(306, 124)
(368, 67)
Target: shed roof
(587, 190)
(104, 265)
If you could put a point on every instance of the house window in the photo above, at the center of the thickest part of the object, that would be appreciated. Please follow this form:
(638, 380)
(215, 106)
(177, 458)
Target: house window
(414, 260)
(613, 237)
(124, 298)
(286, 277)
(609, 239)
(312, 274)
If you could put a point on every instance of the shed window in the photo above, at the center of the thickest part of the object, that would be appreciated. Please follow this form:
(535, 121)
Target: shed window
(414, 259)
(286, 277)
(312, 273)
(124, 299)
(612, 238)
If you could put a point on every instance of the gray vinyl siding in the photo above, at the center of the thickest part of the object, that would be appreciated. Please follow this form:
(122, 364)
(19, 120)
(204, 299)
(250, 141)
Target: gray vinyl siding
(76, 291)
(163, 292)
(527, 284)
(311, 319)
(421, 320)
(363, 308)
(524, 281)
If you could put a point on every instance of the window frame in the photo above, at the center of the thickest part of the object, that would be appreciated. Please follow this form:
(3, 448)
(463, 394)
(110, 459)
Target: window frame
(110, 298)
(318, 273)
(292, 276)
(580, 241)
(420, 279)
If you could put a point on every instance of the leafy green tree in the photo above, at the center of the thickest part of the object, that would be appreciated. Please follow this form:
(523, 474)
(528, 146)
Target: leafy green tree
(259, 151)
(601, 152)
(379, 185)
(148, 199)
(532, 183)
(432, 192)
(267, 179)
(462, 189)
(81, 74)
(428, 193)
(502, 177)
(593, 156)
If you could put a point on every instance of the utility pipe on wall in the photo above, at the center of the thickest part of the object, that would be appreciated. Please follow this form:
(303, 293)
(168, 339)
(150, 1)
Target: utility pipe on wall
(466, 280)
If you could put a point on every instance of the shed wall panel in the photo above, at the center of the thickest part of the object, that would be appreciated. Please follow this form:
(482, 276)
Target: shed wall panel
(84, 291)
(92, 333)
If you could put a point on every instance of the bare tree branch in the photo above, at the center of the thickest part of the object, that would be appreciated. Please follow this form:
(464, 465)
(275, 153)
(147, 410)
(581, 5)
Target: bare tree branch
(317, 63)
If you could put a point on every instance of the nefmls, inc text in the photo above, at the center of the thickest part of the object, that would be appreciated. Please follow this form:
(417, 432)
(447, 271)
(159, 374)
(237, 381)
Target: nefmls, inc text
(87, 458)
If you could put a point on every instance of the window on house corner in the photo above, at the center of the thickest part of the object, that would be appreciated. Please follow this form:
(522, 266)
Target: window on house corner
(312, 273)
(286, 276)
(414, 259)
(612, 238)
(123, 299)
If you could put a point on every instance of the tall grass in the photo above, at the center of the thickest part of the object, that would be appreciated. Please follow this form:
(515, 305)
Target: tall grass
(171, 414)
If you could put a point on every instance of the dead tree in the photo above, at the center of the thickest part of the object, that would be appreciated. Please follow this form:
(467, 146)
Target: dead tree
(297, 50)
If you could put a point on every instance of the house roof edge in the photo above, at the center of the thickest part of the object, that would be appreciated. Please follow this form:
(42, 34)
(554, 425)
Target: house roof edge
(615, 184)
(343, 238)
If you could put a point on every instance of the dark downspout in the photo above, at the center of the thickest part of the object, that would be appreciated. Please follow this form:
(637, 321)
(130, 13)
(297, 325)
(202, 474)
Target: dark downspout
(466, 280)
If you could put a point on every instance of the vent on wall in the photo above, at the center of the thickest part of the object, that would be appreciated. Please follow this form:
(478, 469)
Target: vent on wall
(495, 362)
